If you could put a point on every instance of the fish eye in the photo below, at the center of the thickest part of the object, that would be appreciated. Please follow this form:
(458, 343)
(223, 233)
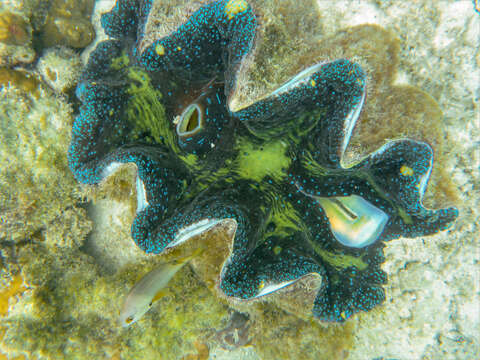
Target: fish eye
(129, 319)
(151, 302)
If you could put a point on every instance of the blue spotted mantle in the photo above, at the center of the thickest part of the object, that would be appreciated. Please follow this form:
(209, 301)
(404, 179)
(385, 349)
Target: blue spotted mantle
(275, 167)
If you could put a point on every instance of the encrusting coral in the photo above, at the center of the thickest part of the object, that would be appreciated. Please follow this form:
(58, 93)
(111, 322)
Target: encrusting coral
(68, 23)
(15, 39)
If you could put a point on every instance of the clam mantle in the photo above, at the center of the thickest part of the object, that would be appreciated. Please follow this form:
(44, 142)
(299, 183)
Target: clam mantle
(274, 167)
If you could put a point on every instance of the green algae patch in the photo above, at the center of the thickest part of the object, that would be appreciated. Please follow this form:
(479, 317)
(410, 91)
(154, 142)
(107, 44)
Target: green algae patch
(190, 160)
(285, 218)
(69, 229)
(120, 62)
(179, 319)
(145, 111)
(255, 162)
(341, 261)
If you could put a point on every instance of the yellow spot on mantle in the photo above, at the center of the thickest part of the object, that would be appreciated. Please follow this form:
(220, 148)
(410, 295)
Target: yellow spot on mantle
(256, 162)
(159, 49)
(277, 250)
(179, 48)
(261, 285)
(233, 7)
(313, 83)
(406, 170)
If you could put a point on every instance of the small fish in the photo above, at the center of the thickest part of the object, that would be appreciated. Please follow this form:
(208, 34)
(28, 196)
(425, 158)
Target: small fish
(149, 289)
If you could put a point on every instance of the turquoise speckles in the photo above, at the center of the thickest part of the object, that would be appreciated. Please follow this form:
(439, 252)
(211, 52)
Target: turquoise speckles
(275, 167)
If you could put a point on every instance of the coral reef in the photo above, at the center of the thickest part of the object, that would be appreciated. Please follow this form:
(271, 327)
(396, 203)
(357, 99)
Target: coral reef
(432, 293)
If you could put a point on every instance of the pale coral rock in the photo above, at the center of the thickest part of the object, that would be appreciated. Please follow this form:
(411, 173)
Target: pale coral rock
(35, 185)
(60, 68)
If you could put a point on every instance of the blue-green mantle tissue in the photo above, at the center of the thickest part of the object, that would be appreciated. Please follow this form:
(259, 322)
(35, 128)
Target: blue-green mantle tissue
(275, 167)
